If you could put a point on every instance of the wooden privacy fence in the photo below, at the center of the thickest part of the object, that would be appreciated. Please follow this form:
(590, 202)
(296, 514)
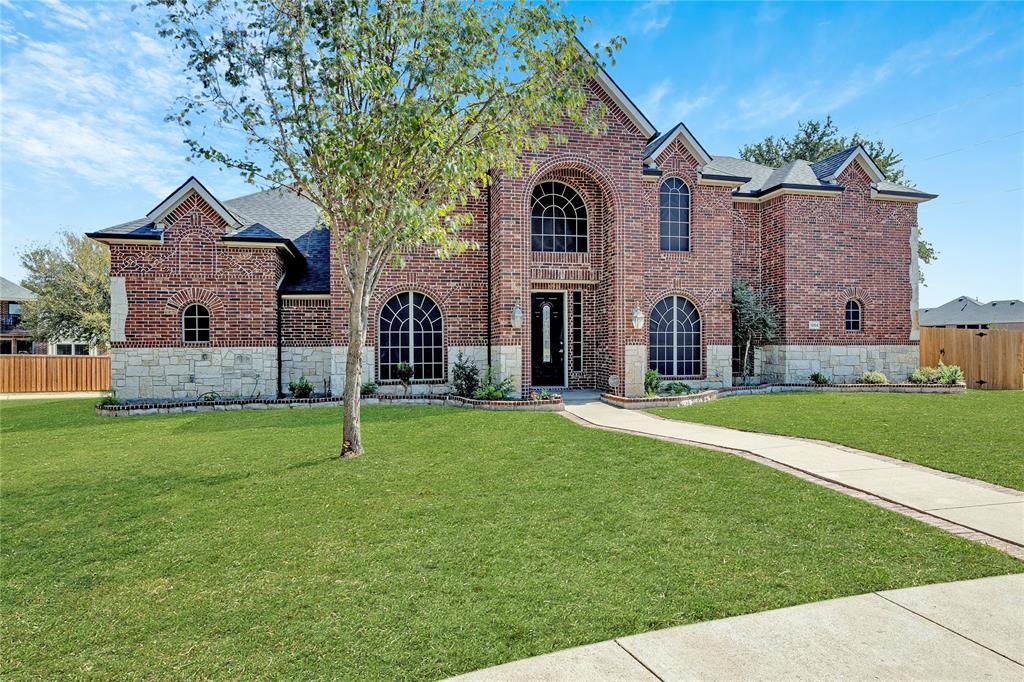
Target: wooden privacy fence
(990, 358)
(54, 373)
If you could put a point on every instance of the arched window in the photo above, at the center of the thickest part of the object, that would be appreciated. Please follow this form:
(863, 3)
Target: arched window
(411, 331)
(558, 219)
(854, 316)
(675, 338)
(195, 324)
(674, 221)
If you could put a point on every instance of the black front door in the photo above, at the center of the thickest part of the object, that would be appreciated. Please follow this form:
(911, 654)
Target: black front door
(548, 339)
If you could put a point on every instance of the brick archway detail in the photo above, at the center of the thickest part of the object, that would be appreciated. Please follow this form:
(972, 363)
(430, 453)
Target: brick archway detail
(186, 297)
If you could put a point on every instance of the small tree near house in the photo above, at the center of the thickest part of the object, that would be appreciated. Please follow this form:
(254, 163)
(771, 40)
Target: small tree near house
(388, 115)
(753, 323)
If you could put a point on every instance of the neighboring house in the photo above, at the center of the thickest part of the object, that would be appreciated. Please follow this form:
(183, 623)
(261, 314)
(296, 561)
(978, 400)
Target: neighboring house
(970, 313)
(14, 339)
(614, 255)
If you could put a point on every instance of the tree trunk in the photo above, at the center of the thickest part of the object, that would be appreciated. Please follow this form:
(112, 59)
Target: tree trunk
(352, 436)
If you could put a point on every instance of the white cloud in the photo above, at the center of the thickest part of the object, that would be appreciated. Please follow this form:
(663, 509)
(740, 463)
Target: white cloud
(651, 17)
(89, 101)
(665, 109)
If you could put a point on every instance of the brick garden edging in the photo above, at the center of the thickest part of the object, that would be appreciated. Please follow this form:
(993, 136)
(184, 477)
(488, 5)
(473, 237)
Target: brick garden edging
(184, 406)
(704, 396)
(547, 405)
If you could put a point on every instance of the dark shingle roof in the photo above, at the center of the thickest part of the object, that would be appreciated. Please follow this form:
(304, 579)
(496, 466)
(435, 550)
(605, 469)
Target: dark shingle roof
(271, 215)
(830, 164)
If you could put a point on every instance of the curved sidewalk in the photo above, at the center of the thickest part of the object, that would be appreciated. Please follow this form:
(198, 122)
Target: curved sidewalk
(972, 629)
(978, 510)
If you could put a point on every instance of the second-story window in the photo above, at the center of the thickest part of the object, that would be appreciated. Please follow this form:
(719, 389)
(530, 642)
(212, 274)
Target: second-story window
(558, 219)
(674, 216)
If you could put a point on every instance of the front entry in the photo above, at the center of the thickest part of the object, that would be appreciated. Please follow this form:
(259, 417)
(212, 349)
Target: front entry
(548, 338)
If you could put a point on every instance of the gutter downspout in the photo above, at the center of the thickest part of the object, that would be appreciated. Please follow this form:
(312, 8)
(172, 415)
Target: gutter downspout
(490, 310)
(280, 391)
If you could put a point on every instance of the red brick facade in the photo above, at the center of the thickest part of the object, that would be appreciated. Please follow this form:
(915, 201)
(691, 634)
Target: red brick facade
(808, 253)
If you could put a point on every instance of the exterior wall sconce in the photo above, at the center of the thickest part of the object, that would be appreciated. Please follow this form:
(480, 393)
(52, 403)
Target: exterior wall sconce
(638, 318)
(517, 316)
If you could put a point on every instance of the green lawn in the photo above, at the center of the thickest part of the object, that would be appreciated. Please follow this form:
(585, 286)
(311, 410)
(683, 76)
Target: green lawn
(233, 545)
(979, 434)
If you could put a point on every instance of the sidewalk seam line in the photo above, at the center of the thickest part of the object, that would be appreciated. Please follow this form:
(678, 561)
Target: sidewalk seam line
(642, 664)
(973, 506)
(949, 629)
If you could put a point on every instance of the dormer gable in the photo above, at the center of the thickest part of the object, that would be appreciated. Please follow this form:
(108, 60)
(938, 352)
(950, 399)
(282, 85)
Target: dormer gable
(678, 132)
(189, 187)
(829, 168)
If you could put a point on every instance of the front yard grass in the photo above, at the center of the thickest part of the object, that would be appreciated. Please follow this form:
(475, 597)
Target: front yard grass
(235, 545)
(979, 434)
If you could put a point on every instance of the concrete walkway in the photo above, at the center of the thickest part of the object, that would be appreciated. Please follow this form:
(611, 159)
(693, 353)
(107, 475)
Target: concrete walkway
(966, 630)
(995, 514)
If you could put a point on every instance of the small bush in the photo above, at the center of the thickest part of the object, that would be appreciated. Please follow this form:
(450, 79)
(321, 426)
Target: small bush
(301, 388)
(369, 388)
(950, 374)
(873, 378)
(403, 372)
(677, 388)
(109, 399)
(819, 379)
(493, 391)
(943, 374)
(924, 375)
(210, 396)
(652, 382)
(465, 377)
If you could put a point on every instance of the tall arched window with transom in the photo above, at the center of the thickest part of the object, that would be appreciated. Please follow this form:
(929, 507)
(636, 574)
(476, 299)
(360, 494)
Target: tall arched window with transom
(675, 344)
(411, 331)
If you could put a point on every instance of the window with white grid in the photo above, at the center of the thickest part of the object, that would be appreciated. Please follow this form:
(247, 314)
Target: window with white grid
(558, 219)
(411, 332)
(675, 338)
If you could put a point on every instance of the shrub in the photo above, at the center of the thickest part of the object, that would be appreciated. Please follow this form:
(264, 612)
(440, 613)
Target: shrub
(210, 396)
(369, 388)
(943, 374)
(493, 391)
(950, 374)
(924, 375)
(301, 388)
(677, 388)
(109, 399)
(652, 382)
(465, 377)
(873, 378)
(819, 379)
(403, 371)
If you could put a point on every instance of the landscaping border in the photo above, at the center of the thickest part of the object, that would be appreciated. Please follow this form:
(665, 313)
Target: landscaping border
(228, 404)
(647, 402)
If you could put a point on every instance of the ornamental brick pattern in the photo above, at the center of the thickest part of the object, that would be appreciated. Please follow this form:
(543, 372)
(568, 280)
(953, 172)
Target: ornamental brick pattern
(192, 265)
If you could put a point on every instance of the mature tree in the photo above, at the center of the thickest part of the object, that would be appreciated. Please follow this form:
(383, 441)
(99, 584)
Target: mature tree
(814, 140)
(387, 114)
(753, 322)
(72, 282)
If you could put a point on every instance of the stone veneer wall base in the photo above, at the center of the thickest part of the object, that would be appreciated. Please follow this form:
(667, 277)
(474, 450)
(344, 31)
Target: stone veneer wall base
(190, 372)
(794, 363)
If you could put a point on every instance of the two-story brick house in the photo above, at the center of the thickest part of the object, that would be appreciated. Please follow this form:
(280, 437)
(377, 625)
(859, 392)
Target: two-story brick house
(616, 254)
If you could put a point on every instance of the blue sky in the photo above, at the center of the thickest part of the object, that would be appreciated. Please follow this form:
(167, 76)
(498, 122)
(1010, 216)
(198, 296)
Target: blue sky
(84, 88)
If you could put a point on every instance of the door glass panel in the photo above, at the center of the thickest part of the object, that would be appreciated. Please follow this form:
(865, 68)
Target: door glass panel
(546, 323)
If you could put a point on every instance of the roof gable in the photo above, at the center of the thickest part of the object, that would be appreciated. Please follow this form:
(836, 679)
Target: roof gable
(161, 210)
(831, 166)
(682, 133)
(621, 99)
